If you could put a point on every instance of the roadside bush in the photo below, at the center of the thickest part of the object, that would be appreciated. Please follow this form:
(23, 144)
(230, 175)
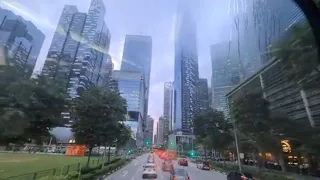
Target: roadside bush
(273, 176)
(108, 168)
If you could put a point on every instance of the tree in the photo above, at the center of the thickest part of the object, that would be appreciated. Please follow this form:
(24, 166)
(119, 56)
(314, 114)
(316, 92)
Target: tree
(41, 100)
(124, 135)
(264, 128)
(298, 54)
(34, 104)
(97, 114)
(213, 129)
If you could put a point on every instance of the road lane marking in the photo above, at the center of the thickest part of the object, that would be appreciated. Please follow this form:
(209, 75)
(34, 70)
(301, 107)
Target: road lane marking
(124, 173)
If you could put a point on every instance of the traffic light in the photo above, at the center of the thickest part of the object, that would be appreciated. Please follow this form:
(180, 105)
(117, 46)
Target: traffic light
(129, 151)
(192, 153)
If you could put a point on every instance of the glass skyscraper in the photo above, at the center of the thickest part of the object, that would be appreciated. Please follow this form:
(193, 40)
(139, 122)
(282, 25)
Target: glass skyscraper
(225, 74)
(78, 54)
(203, 94)
(21, 40)
(168, 106)
(186, 73)
(137, 54)
(132, 88)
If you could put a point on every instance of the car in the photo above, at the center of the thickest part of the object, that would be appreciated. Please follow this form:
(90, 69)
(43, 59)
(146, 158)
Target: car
(167, 165)
(149, 173)
(204, 165)
(240, 176)
(183, 162)
(149, 166)
(180, 174)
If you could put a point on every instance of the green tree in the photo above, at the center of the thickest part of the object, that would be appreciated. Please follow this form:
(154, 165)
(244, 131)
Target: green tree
(34, 104)
(299, 56)
(41, 100)
(124, 135)
(98, 114)
(214, 130)
(262, 127)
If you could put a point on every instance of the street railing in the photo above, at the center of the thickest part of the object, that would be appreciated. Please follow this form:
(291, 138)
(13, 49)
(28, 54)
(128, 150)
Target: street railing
(61, 170)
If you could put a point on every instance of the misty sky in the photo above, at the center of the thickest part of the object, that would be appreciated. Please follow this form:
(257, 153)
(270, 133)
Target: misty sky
(141, 17)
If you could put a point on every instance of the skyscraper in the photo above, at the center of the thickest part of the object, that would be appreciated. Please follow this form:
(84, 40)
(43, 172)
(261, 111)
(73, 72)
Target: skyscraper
(79, 50)
(95, 42)
(21, 40)
(137, 54)
(77, 64)
(160, 131)
(168, 106)
(149, 130)
(225, 74)
(132, 88)
(203, 94)
(271, 20)
(186, 73)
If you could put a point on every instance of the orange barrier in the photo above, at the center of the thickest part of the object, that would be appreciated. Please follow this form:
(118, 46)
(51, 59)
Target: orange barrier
(75, 150)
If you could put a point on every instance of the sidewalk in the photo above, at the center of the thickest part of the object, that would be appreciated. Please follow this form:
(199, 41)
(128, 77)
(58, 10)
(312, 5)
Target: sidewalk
(289, 174)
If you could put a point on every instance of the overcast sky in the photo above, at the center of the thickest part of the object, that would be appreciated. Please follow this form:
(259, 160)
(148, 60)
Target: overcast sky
(143, 17)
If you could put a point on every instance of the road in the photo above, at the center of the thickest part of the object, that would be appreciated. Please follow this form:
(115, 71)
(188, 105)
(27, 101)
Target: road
(133, 171)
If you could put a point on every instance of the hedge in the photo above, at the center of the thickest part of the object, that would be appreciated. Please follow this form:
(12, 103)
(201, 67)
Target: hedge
(88, 173)
(106, 169)
(226, 168)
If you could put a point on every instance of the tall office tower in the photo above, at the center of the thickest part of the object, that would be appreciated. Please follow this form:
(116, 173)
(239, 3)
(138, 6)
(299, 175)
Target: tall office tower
(105, 75)
(242, 38)
(132, 88)
(154, 139)
(79, 50)
(157, 133)
(186, 73)
(95, 42)
(210, 97)
(271, 20)
(168, 107)
(21, 40)
(203, 94)
(160, 131)
(225, 75)
(149, 130)
(137, 54)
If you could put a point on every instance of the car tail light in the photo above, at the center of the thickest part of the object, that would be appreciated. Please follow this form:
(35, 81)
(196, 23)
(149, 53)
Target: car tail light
(243, 178)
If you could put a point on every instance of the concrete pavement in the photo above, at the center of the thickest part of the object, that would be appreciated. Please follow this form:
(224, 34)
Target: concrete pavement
(133, 171)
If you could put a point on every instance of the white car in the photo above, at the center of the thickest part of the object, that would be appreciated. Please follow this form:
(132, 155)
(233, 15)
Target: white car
(149, 172)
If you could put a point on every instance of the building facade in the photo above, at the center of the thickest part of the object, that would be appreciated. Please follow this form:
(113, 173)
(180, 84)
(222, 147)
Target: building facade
(149, 130)
(271, 19)
(299, 104)
(20, 40)
(203, 94)
(168, 106)
(137, 55)
(225, 75)
(186, 73)
(78, 54)
(132, 88)
(160, 132)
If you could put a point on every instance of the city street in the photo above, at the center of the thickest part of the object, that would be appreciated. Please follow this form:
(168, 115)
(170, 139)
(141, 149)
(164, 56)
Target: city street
(133, 171)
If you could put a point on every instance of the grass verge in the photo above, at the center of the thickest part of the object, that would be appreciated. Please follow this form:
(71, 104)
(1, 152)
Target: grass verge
(15, 164)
